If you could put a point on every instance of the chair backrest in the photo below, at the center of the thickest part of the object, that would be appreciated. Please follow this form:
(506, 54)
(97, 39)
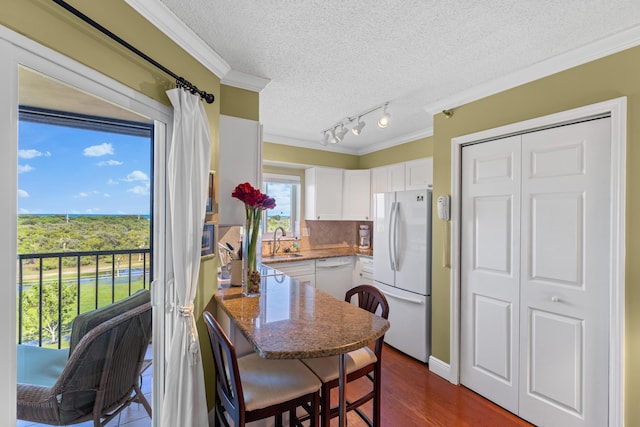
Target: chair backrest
(102, 370)
(228, 385)
(84, 322)
(371, 299)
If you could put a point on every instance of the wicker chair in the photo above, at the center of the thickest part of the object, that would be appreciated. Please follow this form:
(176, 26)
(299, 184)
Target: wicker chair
(360, 363)
(99, 380)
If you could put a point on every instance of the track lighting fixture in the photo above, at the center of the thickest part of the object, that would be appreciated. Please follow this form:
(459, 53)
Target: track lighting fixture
(333, 135)
(383, 121)
(333, 138)
(325, 138)
(342, 132)
(358, 127)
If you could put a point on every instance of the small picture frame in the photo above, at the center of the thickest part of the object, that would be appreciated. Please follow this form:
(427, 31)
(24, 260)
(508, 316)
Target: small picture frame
(211, 194)
(208, 239)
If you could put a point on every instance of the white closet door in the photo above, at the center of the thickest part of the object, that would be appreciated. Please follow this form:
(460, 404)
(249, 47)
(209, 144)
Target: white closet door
(490, 269)
(565, 275)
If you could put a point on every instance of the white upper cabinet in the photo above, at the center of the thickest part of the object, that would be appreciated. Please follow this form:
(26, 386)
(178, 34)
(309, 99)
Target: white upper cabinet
(418, 174)
(388, 178)
(356, 200)
(241, 149)
(323, 194)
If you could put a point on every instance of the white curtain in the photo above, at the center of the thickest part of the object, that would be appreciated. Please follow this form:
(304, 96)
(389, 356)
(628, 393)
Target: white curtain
(187, 173)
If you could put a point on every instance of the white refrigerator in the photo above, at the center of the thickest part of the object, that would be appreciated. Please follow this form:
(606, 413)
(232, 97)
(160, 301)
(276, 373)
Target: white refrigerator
(402, 267)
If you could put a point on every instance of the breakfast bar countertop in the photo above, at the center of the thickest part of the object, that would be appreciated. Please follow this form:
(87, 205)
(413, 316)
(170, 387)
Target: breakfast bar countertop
(292, 320)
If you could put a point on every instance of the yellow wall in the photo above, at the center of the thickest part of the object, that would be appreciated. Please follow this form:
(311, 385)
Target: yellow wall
(611, 77)
(288, 154)
(240, 103)
(400, 153)
(52, 26)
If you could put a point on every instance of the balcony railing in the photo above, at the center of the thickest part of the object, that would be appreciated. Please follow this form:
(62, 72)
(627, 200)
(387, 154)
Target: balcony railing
(53, 288)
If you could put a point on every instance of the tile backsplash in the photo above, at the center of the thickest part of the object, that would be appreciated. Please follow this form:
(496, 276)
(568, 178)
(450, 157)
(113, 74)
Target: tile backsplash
(324, 235)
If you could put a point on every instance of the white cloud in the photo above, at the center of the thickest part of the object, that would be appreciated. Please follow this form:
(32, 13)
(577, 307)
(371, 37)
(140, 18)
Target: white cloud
(98, 150)
(24, 168)
(137, 176)
(139, 190)
(31, 154)
(112, 182)
(92, 210)
(110, 163)
(107, 195)
(22, 193)
(24, 211)
(84, 194)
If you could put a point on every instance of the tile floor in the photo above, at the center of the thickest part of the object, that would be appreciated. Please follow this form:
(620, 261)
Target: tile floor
(134, 416)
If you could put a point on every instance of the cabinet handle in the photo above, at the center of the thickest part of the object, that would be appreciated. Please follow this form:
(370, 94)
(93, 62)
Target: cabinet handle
(555, 299)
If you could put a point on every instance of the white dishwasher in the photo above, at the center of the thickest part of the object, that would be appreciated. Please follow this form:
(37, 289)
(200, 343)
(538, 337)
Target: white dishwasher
(334, 275)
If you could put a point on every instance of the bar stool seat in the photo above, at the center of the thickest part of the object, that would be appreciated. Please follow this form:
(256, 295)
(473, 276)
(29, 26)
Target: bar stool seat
(326, 368)
(270, 382)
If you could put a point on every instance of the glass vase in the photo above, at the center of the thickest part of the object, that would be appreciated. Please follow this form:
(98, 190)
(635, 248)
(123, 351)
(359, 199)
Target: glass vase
(251, 258)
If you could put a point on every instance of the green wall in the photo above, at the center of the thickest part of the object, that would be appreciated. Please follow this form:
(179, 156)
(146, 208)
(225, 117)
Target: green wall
(611, 77)
(52, 26)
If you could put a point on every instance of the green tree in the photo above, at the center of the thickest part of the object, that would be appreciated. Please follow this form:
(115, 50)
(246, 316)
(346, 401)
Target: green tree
(50, 297)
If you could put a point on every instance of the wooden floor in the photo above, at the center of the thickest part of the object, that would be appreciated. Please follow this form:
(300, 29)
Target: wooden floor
(413, 396)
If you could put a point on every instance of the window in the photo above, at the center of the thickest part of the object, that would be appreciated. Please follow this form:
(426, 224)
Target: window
(286, 190)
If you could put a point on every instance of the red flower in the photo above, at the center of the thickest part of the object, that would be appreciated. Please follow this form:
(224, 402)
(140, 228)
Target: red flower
(252, 197)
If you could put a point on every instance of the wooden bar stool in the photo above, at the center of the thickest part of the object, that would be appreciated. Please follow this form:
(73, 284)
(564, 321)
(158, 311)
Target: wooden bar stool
(360, 363)
(251, 388)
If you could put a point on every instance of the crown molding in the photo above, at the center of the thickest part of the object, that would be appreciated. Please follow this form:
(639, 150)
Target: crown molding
(166, 21)
(245, 81)
(599, 49)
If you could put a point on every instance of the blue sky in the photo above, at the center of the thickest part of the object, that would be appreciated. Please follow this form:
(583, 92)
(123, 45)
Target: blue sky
(282, 194)
(76, 171)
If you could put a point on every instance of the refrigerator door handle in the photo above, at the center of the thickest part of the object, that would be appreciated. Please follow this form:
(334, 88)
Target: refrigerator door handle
(396, 210)
(391, 237)
(411, 300)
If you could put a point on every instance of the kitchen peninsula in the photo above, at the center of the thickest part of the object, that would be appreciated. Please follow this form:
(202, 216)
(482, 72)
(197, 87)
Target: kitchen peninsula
(290, 320)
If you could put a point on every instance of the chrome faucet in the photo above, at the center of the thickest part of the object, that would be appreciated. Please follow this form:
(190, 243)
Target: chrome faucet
(276, 243)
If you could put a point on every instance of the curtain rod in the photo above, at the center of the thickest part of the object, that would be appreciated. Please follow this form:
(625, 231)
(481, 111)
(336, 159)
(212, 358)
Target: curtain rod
(180, 81)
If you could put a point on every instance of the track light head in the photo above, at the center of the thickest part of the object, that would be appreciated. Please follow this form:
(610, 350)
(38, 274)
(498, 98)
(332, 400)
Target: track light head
(333, 138)
(342, 132)
(383, 121)
(358, 127)
(325, 138)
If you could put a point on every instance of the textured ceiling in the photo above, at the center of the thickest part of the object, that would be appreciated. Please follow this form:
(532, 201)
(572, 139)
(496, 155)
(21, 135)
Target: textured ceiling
(329, 59)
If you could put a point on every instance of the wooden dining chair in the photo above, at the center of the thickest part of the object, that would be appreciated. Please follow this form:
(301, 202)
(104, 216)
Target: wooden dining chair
(359, 363)
(251, 388)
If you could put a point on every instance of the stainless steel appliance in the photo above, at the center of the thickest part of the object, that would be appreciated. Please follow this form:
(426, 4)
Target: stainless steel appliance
(402, 267)
(365, 237)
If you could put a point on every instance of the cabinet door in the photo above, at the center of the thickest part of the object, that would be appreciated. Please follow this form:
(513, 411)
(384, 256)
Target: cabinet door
(241, 149)
(380, 180)
(323, 194)
(418, 174)
(356, 201)
(396, 177)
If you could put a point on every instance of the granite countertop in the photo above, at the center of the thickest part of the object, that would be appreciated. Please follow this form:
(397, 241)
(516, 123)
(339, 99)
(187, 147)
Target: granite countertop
(315, 254)
(289, 320)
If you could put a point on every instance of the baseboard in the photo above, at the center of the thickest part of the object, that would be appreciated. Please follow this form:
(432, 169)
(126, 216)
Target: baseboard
(440, 368)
